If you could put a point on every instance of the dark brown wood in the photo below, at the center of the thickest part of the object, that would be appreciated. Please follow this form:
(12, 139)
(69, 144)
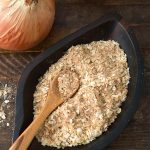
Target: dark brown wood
(107, 2)
(70, 16)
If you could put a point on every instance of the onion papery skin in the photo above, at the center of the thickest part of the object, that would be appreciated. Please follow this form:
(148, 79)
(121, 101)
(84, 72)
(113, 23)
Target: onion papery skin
(23, 25)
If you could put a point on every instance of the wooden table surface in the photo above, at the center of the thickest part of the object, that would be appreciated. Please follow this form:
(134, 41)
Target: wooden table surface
(70, 16)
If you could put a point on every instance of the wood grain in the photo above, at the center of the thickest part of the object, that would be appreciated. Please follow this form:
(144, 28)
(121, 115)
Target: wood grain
(106, 2)
(12, 65)
(70, 16)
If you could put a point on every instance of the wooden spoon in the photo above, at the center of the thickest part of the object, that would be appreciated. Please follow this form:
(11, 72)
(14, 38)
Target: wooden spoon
(53, 101)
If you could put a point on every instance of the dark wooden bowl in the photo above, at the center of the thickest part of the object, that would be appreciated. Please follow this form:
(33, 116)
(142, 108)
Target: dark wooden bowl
(108, 27)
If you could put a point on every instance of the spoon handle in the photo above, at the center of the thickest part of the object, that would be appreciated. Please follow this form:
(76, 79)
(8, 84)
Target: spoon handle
(24, 140)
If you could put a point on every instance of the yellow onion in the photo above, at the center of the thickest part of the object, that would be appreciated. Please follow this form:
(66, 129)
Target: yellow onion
(25, 23)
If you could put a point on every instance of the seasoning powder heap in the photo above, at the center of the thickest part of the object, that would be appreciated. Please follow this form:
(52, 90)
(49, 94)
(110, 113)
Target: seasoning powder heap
(104, 76)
